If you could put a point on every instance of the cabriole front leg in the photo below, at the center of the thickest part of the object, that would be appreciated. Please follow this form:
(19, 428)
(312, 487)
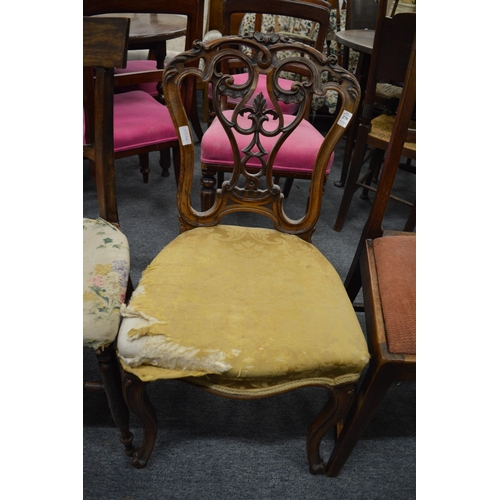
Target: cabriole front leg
(336, 408)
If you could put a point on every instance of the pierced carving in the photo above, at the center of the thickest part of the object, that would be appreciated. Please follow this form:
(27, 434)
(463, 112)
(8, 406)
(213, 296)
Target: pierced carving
(255, 124)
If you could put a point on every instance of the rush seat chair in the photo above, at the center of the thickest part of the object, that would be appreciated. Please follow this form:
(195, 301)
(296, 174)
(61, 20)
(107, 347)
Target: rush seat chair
(392, 46)
(242, 311)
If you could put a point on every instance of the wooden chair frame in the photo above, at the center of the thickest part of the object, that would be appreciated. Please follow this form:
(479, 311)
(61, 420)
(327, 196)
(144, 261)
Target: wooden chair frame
(385, 367)
(101, 54)
(104, 48)
(389, 64)
(258, 194)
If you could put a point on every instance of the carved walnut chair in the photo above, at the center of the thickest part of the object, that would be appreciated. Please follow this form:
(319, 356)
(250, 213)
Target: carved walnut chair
(142, 124)
(246, 312)
(106, 258)
(385, 266)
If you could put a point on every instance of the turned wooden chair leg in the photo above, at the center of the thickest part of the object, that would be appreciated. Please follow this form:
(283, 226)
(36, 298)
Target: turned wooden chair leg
(138, 401)
(111, 378)
(144, 163)
(208, 183)
(348, 149)
(337, 406)
(165, 162)
(375, 384)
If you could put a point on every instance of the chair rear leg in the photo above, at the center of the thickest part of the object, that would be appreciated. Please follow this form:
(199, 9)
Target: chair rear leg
(220, 178)
(349, 190)
(288, 186)
(336, 408)
(348, 149)
(373, 388)
(138, 401)
(111, 378)
(144, 163)
(165, 162)
(373, 171)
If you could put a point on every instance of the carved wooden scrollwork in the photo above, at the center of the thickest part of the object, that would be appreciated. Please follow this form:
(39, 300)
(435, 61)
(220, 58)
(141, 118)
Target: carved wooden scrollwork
(254, 118)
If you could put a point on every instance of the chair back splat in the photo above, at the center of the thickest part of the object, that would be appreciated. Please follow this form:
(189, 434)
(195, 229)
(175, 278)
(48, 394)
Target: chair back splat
(255, 133)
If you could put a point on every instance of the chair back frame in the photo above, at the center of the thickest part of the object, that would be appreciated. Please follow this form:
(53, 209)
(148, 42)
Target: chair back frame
(392, 46)
(105, 43)
(317, 11)
(373, 227)
(361, 14)
(258, 194)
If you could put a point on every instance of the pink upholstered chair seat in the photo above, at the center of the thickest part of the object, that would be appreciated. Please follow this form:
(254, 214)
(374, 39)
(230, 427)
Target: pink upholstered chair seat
(297, 154)
(140, 120)
(138, 66)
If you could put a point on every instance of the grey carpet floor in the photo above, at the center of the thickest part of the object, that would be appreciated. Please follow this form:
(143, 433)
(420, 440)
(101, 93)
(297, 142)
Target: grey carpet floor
(214, 448)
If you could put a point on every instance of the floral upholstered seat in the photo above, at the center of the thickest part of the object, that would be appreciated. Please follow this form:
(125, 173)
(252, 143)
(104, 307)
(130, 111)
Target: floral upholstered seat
(106, 264)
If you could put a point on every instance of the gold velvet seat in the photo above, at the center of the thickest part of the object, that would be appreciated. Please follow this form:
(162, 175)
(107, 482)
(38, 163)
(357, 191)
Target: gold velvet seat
(268, 324)
(246, 312)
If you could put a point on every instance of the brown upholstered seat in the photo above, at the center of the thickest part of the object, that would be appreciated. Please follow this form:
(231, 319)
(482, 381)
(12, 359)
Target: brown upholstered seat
(396, 268)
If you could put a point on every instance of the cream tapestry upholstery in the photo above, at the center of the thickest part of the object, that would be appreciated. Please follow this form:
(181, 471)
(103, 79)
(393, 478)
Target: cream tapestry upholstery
(243, 305)
(106, 266)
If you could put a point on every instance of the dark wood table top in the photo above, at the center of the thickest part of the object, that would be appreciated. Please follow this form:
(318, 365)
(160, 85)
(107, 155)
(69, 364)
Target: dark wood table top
(360, 40)
(153, 28)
